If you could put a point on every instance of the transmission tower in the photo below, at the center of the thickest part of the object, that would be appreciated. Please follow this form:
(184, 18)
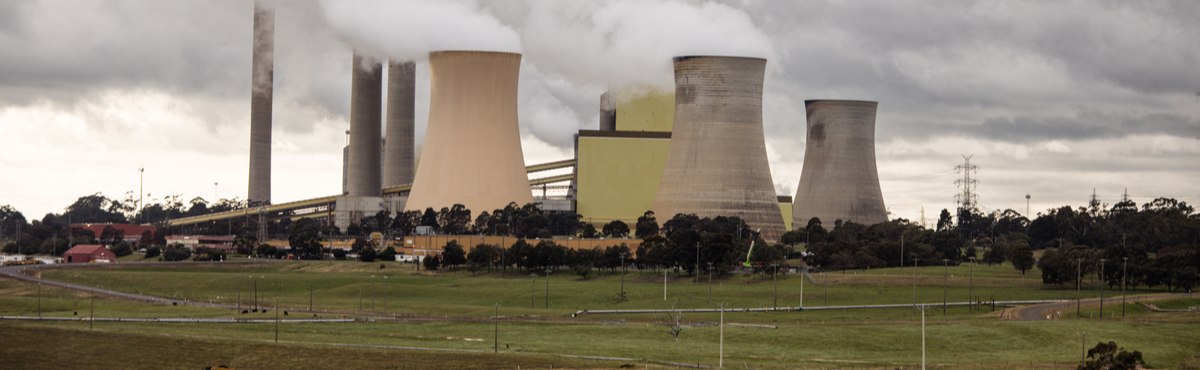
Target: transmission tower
(1094, 201)
(967, 198)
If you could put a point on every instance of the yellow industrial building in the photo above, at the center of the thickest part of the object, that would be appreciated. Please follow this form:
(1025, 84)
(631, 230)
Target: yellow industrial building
(618, 171)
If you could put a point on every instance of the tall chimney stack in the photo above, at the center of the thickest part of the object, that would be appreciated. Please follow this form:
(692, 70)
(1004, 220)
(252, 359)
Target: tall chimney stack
(398, 154)
(365, 98)
(262, 78)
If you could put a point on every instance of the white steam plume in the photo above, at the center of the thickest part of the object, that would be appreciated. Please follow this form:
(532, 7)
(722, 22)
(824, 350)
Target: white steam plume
(409, 30)
(625, 42)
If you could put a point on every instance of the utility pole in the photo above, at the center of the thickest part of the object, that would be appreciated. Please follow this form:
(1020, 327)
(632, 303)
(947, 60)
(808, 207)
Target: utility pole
(626, 254)
(1082, 347)
(775, 281)
(802, 277)
(945, 284)
(971, 286)
(1078, 283)
(825, 281)
(1124, 264)
(916, 261)
(277, 319)
(547, 287)
(710, 271)
(922, 337)
(1102, 282)
(721, 347)
(532, 288)
(39, 299)
(496, 331)
(697, 274)
(310, 297)
(902, 249)
(664, 285)
(92, 314)
(141, 191)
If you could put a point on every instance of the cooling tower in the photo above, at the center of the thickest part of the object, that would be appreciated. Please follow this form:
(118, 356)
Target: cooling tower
(365, 90)
(472, 149)
(398, 152)
(262, 78)
(839, 180)
(717, 160)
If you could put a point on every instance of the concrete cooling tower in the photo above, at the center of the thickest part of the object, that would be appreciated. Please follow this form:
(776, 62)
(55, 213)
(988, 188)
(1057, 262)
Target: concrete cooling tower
(839, 180)
(472, 149)
(365, 98)
(262, 72)
(717, 160)
(398, 151)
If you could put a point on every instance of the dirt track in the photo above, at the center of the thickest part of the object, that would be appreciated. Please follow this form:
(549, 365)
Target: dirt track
(1052, 311)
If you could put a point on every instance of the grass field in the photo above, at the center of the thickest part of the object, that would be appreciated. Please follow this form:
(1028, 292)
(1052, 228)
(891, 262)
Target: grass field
(453, 310)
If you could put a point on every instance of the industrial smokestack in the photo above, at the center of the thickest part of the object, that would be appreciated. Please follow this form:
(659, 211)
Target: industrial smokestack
(262, 72)
(365, 97)
(839, 180)
(472, 151)
(608, 112)
(398, 154)
(717, 160)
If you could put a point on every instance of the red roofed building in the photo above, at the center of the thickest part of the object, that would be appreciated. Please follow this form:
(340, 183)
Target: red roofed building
(128, 232)
(85, 253)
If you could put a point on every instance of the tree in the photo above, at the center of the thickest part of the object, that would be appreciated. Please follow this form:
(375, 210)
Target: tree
(304, 236)
(453, 254)
(587, 230)
(944, 221)
(1022, 258)
(1107, 356)
(615, 229)
(647, 225)
(483, 255)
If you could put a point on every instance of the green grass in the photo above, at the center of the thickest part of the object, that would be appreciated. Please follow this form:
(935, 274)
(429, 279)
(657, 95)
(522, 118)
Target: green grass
(75, 348)
(453, 310)
(1178, 304)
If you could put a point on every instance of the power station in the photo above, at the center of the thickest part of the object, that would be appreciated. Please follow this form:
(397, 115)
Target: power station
(699, 150)
(839, 180)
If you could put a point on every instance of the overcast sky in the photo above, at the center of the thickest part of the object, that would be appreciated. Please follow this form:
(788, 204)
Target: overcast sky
(1053, 99)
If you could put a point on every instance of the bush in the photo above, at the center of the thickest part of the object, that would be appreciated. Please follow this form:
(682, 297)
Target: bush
(122, 249)
(152, 252)
(176, 253)
(431, 263)
(339, 254)
(368, 255)
(388, 254)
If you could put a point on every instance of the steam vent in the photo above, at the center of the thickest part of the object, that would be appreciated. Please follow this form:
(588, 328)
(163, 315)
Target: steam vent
(717, 160)
(262, 72)
(472, 150)
(839, 180)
